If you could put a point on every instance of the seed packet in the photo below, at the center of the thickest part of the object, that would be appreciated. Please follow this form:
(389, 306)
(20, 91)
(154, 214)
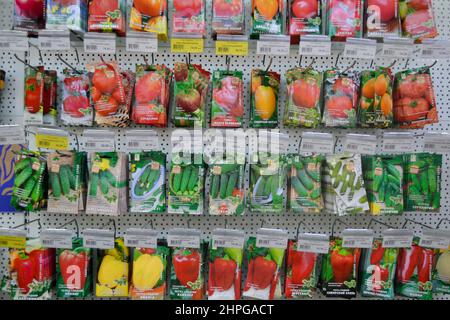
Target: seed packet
(303, 101)
(76, 108)
(67, 181)
(343, 185)
(302, 272)
(66, 14)
(73, 269)
(344, 18)
(383, 177)
(263, 271)
(305, 189)
(107, 190)
(7, 159)
(265, 87)
(381, 19)
(29, 190)
(34, 96)
(190, 89)
(148, 278)
(414, 99)
(31, 272)
(417, 18)
(441, 271)
(340, 270)
(189, 17)
(147, 184)
(187, 280)
(341, 98)
(378, 271)
(29, 15)
(228, 17)
(151, 95)
(227, 107)
(107, 16)
(268, 17)
(111, 270)
(149, 16)
(50, 111)
(2, 80)
(304, 18)
(414, 272)
(423, 182)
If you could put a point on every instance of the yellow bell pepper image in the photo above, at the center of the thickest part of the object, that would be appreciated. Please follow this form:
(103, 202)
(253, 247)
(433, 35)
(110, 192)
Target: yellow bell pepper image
(147, 270)
(112, 272)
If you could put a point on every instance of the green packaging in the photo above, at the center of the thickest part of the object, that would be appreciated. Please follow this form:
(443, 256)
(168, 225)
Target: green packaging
(267, 17)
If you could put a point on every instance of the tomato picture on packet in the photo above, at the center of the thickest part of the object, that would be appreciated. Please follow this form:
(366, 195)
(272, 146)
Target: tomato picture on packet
(305, 18)
(414, 98)
(149, 16)
(151, 95)
(189, 16)
(34, 95)
(417, 19)
(268, 17)
(344, 19)
(265, 86)
(381, 19)
(76, 108)
(29, 14)
(228, 16)
(107, 16)
(341, 98)
(49, 99)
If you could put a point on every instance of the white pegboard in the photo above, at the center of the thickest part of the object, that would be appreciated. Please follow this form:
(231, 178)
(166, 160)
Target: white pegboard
(11, 112)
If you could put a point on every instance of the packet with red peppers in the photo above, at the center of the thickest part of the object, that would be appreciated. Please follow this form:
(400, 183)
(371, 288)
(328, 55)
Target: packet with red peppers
(49, 99)
(441, 271)
(414, 272)
(344, 18)
(414, 99)
(151, 95)
(76, 109)
(149, 16)
(263, 271)
(34, 96)
(340, 270)
(381, 19)
(305, 18)
(31, 272)
(265, 86)
(29, 15)
(228, 17)
(107, 16)
(378, 271)
(73, 270)
(189, 16)
(302, 272)
(417, 18)
(268, 17)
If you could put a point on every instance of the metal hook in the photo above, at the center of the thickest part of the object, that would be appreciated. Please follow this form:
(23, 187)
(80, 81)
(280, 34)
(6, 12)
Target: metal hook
(406, 63)
(300, 61)
(228, 62)
(29, 222)
(77, 56)
(67, 64)
(350, 67)
(145, 60)
(392, 64)
(76, 35)
(26, 63)
(270, 63)
(337, 60)
(440, 222)
(432, 65)
(380, 222)
(39, 51)
(114, 226)
(415, 222)
(262, 222)
(102, 59)
(153, 58)
(76, 225)
(226, 223)
(188, 222)
(311, 64)
(371, 64)
(76, 139)
(149, 223)
(334, 224)
(302, 223)
(186, 58)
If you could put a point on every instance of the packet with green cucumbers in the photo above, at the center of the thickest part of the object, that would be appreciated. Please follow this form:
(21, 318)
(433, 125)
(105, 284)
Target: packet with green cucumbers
(383, 177)
(147, 182)
(343, 185)
(423, 182)
(305, 189)
(30, 185)
(67, 181)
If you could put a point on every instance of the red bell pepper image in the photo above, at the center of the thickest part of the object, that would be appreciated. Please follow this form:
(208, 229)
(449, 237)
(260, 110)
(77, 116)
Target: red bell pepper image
(186, 263)
(25, 272)
(222, 273)
(261, 272)
(43, 263)
(342, 262)
(407, 262)
(425, 265)
(73, 265)
(377, 254)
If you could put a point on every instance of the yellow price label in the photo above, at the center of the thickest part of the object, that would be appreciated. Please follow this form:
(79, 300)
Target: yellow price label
(234, 48)
(186, 45)
(12, 242)
(52, 142)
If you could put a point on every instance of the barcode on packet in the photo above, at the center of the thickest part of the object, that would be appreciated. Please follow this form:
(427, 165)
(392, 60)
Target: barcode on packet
(4, 45)
(133, 46)
(308, 146)
(91, 47)
(133, 144)
(388, 52)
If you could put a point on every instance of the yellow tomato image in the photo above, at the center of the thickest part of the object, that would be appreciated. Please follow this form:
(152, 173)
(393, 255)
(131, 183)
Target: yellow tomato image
(135, 19)
(147, 270)
(381, 85)
(112, 271)
(265, 102)
(157, 24)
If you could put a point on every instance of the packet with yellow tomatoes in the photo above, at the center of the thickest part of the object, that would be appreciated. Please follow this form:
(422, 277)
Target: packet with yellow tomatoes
(268, 17)
(148, 279)
(264, 99)
(149, 16)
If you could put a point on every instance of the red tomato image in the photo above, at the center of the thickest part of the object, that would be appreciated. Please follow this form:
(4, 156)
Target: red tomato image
(101, 7)
(32, 95)
(74, 105)
(105, 80)
(33, 9)
(187, 8)
(338, 105)
(148, 88)
(305, 94)
(304, 8)
(418, 4)
(418, 23)
(345, 86)
(227, 8)
(106, 106)
(151, 8)
(408, 109)
(386, 8)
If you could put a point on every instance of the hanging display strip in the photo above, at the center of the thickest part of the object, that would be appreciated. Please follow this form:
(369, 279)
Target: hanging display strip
(11, 113)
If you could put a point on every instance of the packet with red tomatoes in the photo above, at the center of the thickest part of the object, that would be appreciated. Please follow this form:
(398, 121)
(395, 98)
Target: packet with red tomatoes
(228, 17)
(49, 99)
(341, 98)
(414, 272)
(268, 17)
(381, 19)
(107, 16)
(417, 18)
(265, 86)
(29, 14)
(378, 271)
(414, 98)
(31, 272)
(376, 104)
(151, 95)
(304, 92)
(340, 270)
(34, 96)
(76, 108)
(150, 16)
(302, 272)
(344, 19)
(227, 107)
(305, 18)
(189, 16)
(67, 14)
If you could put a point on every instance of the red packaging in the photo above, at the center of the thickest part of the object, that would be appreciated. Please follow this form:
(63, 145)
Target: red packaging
(228, 17)
(189, 16)
(344, 19)
(417, 19)
(49, 100)
(381, 18)
(305, 18)
(76, 109)
(107, 16)
(34, 95)
(29, 14)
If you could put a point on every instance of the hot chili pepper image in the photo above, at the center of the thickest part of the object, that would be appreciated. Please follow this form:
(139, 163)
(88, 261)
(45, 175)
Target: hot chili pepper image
(377, 255)
(73, 265)
(302, 265)
(407, 262)
(424, 266)
(342, 262)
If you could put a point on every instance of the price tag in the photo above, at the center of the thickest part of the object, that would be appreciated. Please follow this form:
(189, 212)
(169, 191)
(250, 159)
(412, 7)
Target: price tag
(12, 238)
(236, 48)
(435, 142)
(54, 142)
(436, 239)
(186, 45)
(314, 46)
(360, 143)
(393, 238)
(275, 48)
(317, 143)
(227, 238)
(357, 238)
(141, 238)
(183, 241)
(12, 134)
(315, 243)
(397, 49)
(271, 238)
(360, 48)
(98, 140)
(104, 43)
(401, 142)
(57, 238)
(144, 42)
(142, 140)
(14, 40)
(98, 239)
(435, 49)
(54, 40)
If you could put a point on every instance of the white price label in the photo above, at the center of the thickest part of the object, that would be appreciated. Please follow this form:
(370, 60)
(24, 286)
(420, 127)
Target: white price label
(397, 241)
(101, 45)
(62, 240)
(314, 48)
(98, 145)
(14, 41)
(397, 50)
(435, 239)
(142, 140)
(437, 143)
(141, 241)
(315, 145)
(186, 241)
(12, 134)
(141, 44)
(360, 50)
(225, 241)
(315, 246)
(271, 241)
(276, 48)
(98, 242)
(398, 143)
(354, 241)
(59, 43)
(435, 49)
(363, 144)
